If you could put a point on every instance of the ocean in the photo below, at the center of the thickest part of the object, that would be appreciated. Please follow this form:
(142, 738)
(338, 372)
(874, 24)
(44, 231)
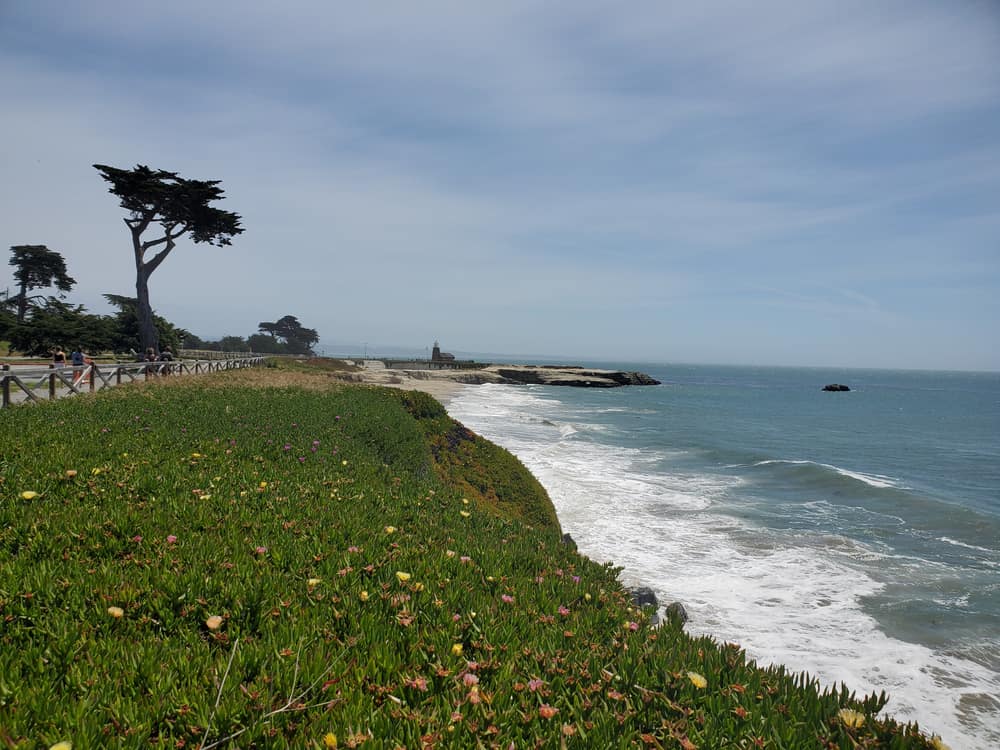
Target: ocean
(854, 536)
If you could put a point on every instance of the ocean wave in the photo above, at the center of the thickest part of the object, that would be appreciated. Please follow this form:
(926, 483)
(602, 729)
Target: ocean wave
(956, 543)
(872, 480)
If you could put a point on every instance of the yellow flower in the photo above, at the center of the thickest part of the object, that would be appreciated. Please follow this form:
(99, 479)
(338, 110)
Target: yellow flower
(214, 622)
(417, 587)
(313, 582)
(363, 596)
(263, 485)
(195, 455)
(390, 529)
(464, 513)
(344, 462)
(697, 680)
(456, 649)
(95, 472)
(206, 497)
(64, 745)
(116, 612)
(329, 741)
(70, 473)
(465, 501)
(402, 576)
(851, 718)
(29, 494)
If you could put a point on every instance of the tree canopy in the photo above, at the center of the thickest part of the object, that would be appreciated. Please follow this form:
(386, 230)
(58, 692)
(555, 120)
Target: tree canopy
(37, 267)
(288, 331)
(177, 206)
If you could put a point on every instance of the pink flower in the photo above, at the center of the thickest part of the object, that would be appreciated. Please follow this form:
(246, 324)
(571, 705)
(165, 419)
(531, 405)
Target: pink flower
(137, 539)
(632, 626)
(261, 550)
(534, 685)
(576, 579)
(507, 598)
(352, 548)
(315, 442)
(287, 447)
(470, 679)
(546, 711)
(563, 610)
(171, 539)
(418, 682)
(465, 558)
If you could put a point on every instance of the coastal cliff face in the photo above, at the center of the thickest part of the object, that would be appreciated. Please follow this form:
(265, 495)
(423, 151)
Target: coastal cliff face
(577, 377)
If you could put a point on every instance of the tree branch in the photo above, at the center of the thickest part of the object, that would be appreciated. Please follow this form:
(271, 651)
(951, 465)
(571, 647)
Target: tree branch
(157, 259)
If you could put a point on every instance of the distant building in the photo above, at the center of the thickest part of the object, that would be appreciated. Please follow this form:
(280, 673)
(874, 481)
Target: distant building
(439, 356)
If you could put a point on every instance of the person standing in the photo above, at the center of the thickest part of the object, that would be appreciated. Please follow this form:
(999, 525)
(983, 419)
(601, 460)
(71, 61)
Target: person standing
(166, 356)
(58, 358)
(77, 357)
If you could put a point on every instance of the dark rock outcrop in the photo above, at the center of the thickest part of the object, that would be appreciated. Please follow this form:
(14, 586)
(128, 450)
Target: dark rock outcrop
(576, 377)
(676, 614)
(836, 387)
(645, 598)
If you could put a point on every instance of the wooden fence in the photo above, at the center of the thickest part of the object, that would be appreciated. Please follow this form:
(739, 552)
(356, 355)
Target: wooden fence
(20, 384)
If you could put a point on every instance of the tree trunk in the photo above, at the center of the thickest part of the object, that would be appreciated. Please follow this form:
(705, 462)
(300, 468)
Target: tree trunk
(22, 303)
(148, 336)
(144, 313)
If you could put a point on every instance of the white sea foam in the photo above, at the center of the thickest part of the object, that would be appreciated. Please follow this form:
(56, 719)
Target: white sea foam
(792, 600)
(955, 542)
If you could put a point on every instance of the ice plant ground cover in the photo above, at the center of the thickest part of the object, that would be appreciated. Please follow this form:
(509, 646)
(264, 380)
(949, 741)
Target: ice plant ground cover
(271, 561)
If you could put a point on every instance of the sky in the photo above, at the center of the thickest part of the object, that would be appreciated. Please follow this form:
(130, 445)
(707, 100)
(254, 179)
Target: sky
(771, 183)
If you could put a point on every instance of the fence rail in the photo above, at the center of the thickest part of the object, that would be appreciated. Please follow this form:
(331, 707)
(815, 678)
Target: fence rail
(20, 384)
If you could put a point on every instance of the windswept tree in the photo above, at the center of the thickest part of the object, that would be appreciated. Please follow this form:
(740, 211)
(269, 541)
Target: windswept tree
(174, 206)
(297, 339)
(37, 267)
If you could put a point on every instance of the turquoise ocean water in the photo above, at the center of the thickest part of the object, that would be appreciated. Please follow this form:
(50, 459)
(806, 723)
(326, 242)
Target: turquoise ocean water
(853, 535)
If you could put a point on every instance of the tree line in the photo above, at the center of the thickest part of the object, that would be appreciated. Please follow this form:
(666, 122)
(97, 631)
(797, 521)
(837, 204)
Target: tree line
(162, 207)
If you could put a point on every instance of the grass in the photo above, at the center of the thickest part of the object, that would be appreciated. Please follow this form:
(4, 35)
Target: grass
(266, 559)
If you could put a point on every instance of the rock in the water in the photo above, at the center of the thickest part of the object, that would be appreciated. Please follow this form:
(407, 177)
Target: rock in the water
(676, 614)
(644, 597)
(836, 387)
(569, 542)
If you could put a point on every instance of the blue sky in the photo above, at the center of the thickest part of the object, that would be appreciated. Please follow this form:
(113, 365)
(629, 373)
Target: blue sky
(743, 182)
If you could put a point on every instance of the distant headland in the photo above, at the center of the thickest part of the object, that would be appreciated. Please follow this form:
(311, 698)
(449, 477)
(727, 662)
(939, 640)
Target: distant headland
(442, 373)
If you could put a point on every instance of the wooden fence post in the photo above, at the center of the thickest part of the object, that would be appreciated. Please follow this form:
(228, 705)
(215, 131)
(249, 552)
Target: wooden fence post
(52, 386)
